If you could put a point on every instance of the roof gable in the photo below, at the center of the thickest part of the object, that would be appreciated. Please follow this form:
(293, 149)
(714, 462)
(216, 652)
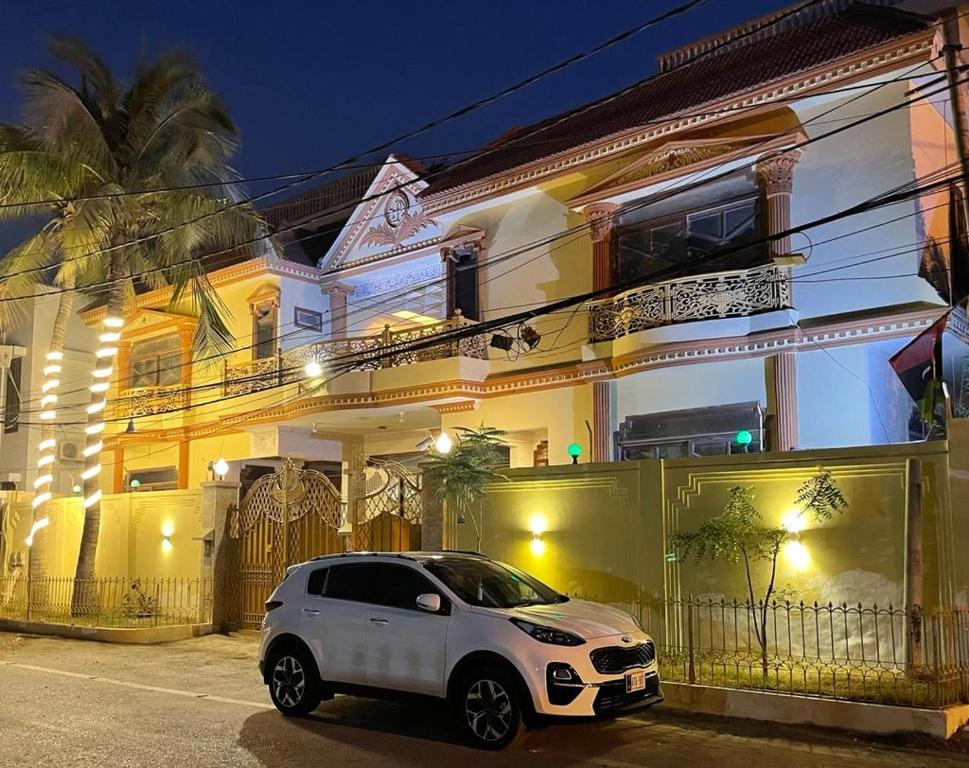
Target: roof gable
(389, 220)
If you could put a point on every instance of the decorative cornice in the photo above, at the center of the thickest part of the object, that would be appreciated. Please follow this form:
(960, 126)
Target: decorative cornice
(850, 68)
(459, 406)
(573, 374)
(601, 220)
(263, 265)
(777, 172)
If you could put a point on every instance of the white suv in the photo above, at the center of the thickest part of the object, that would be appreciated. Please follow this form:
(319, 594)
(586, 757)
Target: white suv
(499, 645)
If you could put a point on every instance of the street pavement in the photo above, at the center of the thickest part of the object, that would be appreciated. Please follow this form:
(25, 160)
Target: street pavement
(200, 703)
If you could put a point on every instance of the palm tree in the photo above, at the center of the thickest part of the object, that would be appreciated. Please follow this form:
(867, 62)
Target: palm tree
(118, 171)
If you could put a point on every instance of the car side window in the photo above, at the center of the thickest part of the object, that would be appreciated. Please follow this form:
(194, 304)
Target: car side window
(316, 582)
(350, 581)
(398, 586)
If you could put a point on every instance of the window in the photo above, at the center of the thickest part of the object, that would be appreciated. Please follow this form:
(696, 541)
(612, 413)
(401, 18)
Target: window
(690, 237)
(155, 362)
(398, 586)
(153, 479)
(308, 318)
(490, 584)
(11, 389)
(264, 330)
(350, 582)
(463, 264)
(316, 582)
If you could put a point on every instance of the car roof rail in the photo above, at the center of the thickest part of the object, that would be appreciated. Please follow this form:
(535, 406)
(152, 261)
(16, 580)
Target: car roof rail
(338, 555)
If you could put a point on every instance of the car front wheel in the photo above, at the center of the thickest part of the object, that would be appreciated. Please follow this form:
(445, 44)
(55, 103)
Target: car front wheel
(491, 708)
(294, 685)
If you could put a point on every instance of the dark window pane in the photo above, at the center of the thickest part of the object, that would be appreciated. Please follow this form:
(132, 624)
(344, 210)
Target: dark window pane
(398, 586)
(668, 242)
(316, 581)
(265, 321)
(707, 225)
(466, 285)
(740, 219)
(11, 406)
(351, 582)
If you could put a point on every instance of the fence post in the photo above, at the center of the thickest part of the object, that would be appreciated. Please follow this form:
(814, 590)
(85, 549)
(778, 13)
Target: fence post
(914, 575)
(691, 671)
(30, 591)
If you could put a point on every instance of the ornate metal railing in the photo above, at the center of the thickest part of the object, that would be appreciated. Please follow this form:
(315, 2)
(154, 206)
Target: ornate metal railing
(703, 297)
(112, 602)
(388, 349)
(147, 401)
(854, 652)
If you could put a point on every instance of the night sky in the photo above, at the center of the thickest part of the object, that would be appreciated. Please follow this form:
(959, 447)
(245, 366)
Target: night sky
(311, 83)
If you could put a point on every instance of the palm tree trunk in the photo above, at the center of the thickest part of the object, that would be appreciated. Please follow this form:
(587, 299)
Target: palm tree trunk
(47, 450)
(85, 597)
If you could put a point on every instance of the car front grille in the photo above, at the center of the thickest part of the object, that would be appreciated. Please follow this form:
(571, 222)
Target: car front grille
(615, 659)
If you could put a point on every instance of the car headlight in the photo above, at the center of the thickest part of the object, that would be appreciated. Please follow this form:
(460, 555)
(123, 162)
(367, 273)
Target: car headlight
(547, 634)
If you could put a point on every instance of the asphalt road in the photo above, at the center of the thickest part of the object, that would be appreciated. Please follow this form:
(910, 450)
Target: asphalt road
(199, 703)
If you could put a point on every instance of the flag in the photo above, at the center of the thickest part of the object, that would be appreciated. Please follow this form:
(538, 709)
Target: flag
(919, 366)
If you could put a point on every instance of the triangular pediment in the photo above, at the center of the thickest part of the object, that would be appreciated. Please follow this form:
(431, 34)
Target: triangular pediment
(669, 159)
(147, 321)
(389, 220)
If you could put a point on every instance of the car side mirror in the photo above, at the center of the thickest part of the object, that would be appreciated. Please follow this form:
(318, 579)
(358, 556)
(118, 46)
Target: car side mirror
(429, 602)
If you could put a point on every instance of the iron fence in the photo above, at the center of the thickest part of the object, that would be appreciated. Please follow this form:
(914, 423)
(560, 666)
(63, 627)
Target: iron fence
(106, 602)
(854, 652)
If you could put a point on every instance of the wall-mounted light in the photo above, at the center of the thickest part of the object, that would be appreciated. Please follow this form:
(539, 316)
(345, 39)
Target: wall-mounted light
(537, 524)
(744, 439)
(795, 552)
(313, 369)
(134, 483)
(167, 531)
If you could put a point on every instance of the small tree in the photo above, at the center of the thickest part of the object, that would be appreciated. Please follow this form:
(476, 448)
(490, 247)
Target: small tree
(462, 474)
(738, 535)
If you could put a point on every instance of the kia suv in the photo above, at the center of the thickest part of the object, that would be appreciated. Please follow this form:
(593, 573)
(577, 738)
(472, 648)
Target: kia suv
(498, 645)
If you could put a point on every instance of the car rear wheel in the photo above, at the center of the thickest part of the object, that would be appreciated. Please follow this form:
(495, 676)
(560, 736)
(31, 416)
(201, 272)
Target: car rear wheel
(294, 684)
(490, 708)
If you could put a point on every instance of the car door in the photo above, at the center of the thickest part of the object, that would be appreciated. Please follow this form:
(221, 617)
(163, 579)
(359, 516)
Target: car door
(334, 620)
(406, 646)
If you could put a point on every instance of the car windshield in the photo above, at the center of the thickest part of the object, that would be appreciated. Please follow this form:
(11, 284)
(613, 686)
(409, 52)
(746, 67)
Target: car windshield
(490, 584)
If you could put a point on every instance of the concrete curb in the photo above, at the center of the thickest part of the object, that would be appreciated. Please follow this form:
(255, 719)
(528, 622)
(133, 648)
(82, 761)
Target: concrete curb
(806, 710)
(134, 635)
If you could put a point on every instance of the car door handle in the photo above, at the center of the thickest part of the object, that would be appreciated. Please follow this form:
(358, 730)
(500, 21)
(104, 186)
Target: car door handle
(311, 612)
(379, 621)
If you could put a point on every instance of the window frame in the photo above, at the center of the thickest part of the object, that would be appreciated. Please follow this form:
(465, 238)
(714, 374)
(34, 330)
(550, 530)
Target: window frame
(683, 219)
(454, 255)
(156, 357)
(260, 311)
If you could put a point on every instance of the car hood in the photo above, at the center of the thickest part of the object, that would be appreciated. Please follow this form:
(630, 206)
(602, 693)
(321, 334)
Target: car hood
(581, 617)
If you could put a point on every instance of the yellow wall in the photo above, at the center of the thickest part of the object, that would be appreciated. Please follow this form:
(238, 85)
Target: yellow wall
(608, 527)
(131, 536)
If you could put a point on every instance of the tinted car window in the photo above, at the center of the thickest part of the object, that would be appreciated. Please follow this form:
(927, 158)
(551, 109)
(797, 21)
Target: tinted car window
(352, 581)
(398, 586)
(316, 581)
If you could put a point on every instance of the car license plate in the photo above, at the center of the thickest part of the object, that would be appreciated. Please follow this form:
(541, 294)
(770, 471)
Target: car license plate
(635, 681)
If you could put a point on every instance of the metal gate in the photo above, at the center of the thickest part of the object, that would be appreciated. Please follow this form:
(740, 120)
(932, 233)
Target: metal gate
(287, 517)
(390, 518)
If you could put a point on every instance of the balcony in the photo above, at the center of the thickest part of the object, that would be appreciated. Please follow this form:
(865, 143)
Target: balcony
(356, 352)
(148, 401)
(701, 297)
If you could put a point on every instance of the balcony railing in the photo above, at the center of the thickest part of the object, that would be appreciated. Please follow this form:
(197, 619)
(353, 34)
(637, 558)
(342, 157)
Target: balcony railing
(703, 297)
(388, 349)
(147, 401)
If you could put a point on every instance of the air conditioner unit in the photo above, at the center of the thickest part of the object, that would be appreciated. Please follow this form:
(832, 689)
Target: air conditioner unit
(68, 450)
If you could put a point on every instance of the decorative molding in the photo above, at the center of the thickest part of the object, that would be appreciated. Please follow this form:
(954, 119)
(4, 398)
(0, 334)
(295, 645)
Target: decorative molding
(777, 173)
(263, 265)
(658, 356)
(855, 67)
(385, 234)
(399, 281)
(602, 220)
(459, 406)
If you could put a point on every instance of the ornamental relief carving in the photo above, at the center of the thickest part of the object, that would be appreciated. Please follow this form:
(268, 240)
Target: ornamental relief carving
(401, 280)
(674, 158)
